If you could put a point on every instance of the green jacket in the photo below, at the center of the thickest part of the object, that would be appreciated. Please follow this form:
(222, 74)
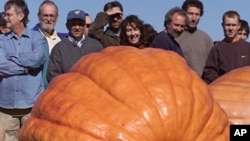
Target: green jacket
(96, 31)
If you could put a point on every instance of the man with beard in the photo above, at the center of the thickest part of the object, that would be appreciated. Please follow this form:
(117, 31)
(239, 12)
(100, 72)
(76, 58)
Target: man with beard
(68, 51)
(195, 43)
(113, 16)
(175, 23)
(48, 15)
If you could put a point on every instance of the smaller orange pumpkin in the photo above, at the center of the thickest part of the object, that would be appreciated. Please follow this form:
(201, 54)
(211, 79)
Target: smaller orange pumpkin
(232, 92)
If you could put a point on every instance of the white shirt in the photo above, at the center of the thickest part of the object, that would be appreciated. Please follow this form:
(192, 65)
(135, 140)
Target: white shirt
(51, 39)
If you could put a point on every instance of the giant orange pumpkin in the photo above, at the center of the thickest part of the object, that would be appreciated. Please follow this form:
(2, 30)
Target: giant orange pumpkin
(127, 94)
(232, 91)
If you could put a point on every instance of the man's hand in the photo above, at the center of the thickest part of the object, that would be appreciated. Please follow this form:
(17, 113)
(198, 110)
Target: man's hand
(112, 11)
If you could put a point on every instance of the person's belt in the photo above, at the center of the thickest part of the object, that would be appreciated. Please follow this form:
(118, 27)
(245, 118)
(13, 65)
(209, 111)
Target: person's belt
(16, 112)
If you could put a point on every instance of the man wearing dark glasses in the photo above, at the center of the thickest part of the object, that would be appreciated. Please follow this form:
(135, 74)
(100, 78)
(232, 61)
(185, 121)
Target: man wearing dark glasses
(112, 16)
(3, 27)
(68, 51)
(88, 22)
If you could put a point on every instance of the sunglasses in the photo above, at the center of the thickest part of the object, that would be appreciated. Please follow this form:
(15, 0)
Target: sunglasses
(87, 25)
(74, 23)
(117, 15)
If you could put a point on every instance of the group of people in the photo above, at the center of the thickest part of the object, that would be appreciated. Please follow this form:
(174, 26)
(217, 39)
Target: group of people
(31, 58)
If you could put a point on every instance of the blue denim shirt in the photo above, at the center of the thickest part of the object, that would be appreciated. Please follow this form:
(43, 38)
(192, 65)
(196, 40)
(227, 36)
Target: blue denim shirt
(18, 88)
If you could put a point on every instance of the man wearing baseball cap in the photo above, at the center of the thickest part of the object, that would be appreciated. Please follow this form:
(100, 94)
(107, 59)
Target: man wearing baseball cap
(3, 28)
(112, 16)
(68, 51)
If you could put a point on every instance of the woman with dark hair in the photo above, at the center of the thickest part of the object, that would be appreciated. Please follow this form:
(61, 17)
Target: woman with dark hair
(135, 33)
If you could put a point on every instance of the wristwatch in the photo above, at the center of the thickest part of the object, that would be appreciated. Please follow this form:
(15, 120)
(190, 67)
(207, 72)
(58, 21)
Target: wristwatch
(25, 71)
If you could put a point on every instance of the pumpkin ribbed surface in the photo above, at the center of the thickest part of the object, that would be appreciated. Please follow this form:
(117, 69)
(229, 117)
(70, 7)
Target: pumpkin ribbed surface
(127, 94)
(232, 91)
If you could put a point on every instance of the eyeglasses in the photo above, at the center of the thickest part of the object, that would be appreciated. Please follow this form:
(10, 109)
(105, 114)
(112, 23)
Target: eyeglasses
(87, 25)
(48, 15)
(74, 23)
(3, 25)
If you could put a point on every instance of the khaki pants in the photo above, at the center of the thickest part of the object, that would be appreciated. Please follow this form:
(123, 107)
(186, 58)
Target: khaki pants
(12, 120)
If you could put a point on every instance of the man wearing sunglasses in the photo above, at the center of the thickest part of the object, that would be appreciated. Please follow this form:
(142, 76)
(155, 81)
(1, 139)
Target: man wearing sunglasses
(68, 51)
(3, 27)
(112, 16)
(88, 22)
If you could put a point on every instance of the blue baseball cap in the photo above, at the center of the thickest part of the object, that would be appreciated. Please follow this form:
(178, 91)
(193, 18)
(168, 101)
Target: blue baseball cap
(76, 14)
(2, 21)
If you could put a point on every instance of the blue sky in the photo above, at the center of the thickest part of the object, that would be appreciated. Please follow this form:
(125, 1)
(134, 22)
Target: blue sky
(150, 11)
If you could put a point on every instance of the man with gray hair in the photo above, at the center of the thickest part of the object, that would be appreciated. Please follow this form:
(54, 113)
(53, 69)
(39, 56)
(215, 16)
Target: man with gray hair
(175, 23)
(23, 53)
(48, 15)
